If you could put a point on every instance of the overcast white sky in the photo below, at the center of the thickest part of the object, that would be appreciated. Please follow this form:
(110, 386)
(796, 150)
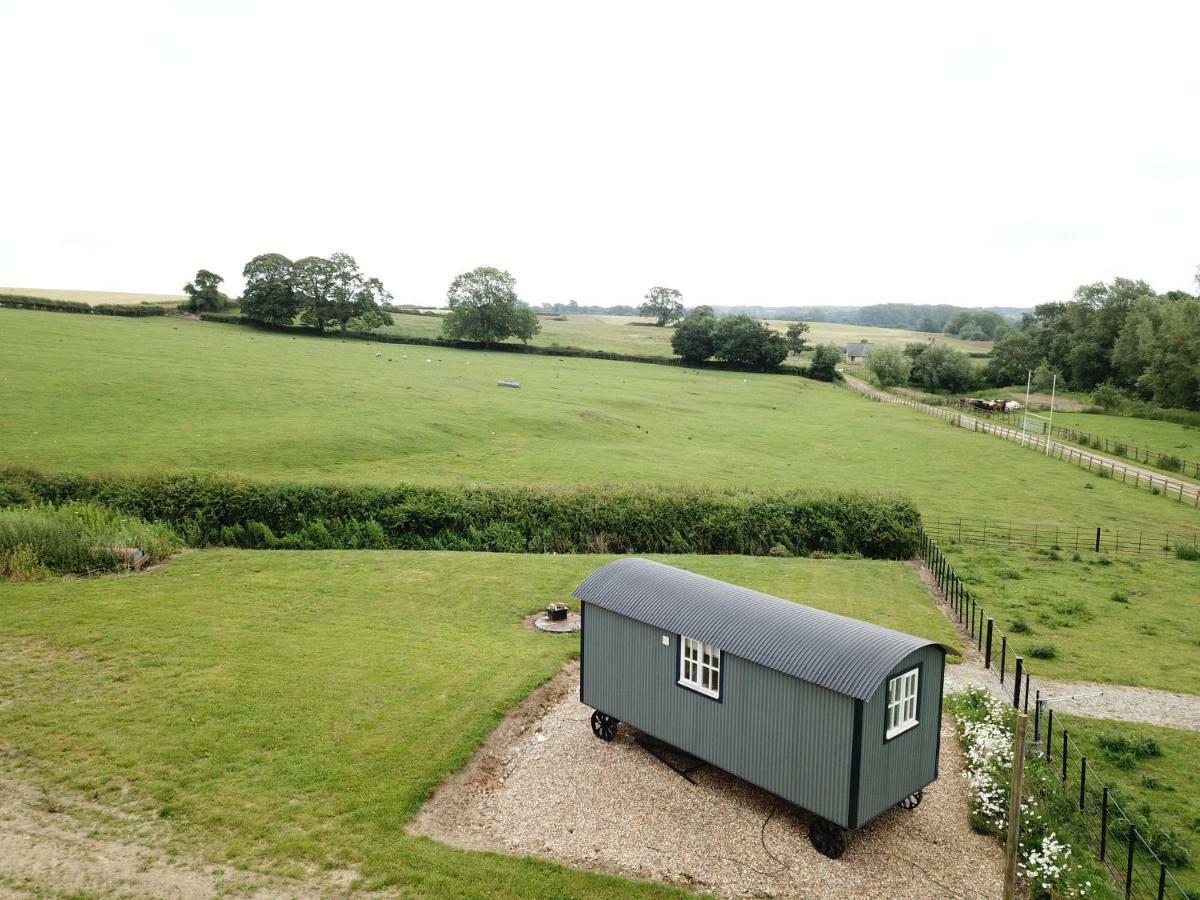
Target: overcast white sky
(742, 152)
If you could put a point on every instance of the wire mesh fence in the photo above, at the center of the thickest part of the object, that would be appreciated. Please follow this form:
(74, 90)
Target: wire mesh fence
(1072, 538)
(1135, 869)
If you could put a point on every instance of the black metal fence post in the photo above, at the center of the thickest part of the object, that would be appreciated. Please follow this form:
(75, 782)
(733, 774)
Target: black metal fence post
(1020, 665)
(1050, 736)
(1064, 759)
(1037, 715)
(1129, 863)
(1162, 881)
(1003, 655)
(987, 656)
(1097, 540)
(1082, 780)
(1103, 823)
(1026, 709)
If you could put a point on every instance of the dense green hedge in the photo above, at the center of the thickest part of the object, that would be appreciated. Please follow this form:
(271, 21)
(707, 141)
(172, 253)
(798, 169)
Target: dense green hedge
(215, 510)
(576, 352)
(20, 301)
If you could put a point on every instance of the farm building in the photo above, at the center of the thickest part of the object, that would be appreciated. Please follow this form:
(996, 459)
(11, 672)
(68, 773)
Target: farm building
(857, 352)
(837, 716)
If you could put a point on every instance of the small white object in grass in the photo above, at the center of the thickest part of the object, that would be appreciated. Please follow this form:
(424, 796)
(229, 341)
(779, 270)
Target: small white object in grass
(429, 360)
(540, 738)
(377, 355)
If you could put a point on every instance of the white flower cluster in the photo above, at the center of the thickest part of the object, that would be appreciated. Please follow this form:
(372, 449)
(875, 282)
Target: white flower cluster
(989, 762)
(1046, 863)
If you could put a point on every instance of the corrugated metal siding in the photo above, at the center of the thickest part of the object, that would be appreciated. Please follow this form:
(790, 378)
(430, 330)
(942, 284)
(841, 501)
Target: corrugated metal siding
(893, 770)
(784, 735)
(839, 653)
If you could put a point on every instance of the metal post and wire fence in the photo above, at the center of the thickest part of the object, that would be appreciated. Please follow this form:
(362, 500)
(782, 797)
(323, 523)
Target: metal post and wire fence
(1135, 869)
(1059, 537)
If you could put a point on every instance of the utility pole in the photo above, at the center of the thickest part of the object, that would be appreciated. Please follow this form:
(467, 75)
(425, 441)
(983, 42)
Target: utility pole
(1014, 808)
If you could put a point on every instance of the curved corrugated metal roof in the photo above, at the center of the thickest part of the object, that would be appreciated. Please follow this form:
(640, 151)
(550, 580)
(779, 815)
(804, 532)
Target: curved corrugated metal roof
(836, 652)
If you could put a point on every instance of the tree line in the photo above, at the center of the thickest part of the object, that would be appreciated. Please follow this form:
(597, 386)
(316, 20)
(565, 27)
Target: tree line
(1119, 341)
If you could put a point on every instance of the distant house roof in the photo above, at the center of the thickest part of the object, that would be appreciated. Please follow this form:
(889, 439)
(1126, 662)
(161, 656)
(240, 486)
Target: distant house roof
(857, 349)
(845, 655)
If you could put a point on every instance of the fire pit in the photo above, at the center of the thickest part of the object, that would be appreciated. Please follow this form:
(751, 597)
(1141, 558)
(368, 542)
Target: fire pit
(558, 619)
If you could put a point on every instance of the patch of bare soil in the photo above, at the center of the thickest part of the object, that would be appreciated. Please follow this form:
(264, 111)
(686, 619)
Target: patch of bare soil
(543, 785)
(53, 844)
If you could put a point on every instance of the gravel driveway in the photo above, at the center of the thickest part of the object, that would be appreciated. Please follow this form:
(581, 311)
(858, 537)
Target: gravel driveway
(543, 785)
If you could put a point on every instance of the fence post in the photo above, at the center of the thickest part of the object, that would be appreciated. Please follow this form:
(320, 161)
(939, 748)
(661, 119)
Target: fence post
(1020, 663)
(1097, 539)
(1003, 655)
(1103, 824)
(1162, 880)
(1037, 715)
(1064, 755)
(1014, 808)
(987, 656)
(1082, 780)
(1129, 863)
(1049, 734)
(1026, 709)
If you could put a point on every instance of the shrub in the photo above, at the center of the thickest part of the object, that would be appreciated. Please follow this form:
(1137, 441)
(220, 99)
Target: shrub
(823, 366)
(1042, 651)
(19, 301)
(1191, 553)
(214, 510)
(1020, 626)
(1137, 746)
(1119, 597)
(1169, 462)
(779, 551)
(77, 538)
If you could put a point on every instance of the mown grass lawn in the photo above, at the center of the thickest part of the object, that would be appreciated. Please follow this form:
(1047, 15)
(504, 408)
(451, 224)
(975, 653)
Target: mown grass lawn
(294, 708)
(1148, 636)
(1167, 785)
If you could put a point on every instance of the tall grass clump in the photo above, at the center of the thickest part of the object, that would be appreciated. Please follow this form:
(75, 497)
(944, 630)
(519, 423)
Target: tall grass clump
(76, 539)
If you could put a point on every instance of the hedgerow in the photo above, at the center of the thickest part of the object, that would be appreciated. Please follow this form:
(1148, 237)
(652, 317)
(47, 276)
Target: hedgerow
(20, 301)
(209, 510)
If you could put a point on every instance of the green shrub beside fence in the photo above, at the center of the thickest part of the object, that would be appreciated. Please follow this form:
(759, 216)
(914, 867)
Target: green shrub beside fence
(215, 510)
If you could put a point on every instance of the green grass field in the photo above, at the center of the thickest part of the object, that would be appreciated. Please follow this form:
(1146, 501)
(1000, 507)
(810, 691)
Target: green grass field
(1149, 636)
(1168, 784)
(623, 334)
(1160, 437)
(294, 708)
(171, 394)
(96, 298)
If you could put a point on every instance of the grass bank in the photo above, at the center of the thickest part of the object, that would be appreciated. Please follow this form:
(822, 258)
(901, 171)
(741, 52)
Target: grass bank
(286, 709)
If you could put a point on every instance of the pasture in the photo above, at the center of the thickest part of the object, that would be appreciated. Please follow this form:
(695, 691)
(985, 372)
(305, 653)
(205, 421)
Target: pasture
(1182, 441)
(625, 334)
(285, 710)
(174, 394)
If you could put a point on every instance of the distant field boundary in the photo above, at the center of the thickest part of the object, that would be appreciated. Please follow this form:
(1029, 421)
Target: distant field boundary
(213, 510)
(1053, 536)
(1104, 467)
(572, 352)
(44, 304)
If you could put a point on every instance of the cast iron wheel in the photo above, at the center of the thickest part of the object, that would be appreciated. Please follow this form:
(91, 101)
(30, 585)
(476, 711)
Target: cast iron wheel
(912, 801)
(828, 838)
(603, 726)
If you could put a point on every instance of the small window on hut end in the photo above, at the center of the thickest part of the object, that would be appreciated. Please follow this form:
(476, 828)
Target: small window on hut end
(902, 703)
(700, 667)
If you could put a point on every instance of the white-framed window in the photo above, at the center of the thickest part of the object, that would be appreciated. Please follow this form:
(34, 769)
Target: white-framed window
(700, 666)
(902, 702)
